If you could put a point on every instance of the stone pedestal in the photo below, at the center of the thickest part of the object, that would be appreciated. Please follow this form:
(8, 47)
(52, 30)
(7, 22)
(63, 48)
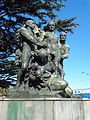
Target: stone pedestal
(44, 109)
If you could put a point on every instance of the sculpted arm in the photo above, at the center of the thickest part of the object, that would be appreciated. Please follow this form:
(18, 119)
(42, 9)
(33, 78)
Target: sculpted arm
(28, 35)
(66, 53)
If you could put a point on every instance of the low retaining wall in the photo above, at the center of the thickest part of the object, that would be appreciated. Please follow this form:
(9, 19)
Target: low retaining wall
(44, 109)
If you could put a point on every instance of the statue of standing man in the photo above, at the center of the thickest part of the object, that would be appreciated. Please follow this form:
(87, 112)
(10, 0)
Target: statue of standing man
(28, 40)
(64, 49)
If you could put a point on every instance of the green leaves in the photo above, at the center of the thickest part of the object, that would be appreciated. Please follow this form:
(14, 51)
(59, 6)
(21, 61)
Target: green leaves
(66, 25)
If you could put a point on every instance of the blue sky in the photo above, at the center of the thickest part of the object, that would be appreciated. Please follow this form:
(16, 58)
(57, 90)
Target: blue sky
(79, 42)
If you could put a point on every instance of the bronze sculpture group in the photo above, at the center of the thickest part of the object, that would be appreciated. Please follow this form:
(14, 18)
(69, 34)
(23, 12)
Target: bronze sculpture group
(40, 58)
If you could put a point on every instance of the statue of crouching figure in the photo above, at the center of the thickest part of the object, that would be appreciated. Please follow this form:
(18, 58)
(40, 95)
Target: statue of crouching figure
(58, 87)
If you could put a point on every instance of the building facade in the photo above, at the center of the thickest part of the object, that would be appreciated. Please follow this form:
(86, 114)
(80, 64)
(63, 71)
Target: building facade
(85, 93)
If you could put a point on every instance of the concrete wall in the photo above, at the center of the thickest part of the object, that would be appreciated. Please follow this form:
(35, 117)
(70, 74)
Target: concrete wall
(44, 109)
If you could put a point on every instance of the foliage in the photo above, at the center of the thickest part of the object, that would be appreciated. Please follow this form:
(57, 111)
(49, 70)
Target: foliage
(2, 91)
(13, 14)
(66, 25)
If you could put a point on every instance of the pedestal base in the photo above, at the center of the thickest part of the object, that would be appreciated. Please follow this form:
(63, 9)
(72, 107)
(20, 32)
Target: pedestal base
(44, 109)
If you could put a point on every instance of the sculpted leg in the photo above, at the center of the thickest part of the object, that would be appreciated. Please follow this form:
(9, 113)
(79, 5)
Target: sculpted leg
(57, 85)
(61, 71)
(26, 53)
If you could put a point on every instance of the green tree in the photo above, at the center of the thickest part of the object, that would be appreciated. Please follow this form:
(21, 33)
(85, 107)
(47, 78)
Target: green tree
(13, 14)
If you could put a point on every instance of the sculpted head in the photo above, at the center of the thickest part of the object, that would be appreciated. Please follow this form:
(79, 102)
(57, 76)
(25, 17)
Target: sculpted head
(63, 36)
(30, 23)
(51, 26)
